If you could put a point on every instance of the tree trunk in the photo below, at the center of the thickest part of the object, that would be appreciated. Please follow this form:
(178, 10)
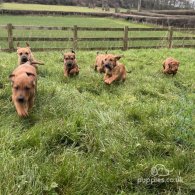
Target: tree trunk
(139, 5)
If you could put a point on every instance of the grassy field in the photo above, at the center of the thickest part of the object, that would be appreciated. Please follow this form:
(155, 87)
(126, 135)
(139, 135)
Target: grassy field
(83, 137)
(18, 6)
(66, 21)
(83, 22)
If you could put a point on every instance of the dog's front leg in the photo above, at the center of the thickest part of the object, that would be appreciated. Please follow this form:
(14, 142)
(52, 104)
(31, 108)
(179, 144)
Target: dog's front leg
(100, 69)
(31, 103)
(111, 79)
(106, 76)
(95, 67)
(166, 68)
(74, 71)
(22, 110)
(65, 72)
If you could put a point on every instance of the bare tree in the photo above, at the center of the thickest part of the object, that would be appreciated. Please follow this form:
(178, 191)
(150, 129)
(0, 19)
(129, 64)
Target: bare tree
(139, 5)
(105, 5)
(133, 4)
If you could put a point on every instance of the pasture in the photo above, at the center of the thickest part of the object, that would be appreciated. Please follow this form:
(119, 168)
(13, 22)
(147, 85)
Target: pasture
(83, 137)
(67, 21)
(18, 6)
(70, 21)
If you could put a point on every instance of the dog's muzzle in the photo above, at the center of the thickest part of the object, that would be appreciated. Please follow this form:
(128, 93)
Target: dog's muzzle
(24, 59)
(108, 66)
(21, 99)
(69, 64)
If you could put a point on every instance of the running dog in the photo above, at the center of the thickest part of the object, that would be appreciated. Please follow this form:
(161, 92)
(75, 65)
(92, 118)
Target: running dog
(25, 56)
(99, 62)
(23, 80)
(170, 66)
(114, 70)
(70, 64)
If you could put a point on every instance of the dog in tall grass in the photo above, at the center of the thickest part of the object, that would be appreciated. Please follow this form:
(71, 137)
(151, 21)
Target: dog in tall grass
(25, 56)
(70, 64)
(170, 66)
(99, 62)
(114, 70)
(23, 80)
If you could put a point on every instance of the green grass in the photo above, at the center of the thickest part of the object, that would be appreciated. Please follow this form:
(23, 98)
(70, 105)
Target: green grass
(18, 6)
(66, 21)
(83, 137)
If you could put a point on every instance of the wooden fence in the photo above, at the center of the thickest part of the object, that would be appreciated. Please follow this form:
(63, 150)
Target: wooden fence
(10, 38)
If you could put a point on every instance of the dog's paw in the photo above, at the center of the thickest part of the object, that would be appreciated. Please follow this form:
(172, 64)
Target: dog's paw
(107, 81)
(23, 114)
(22, 111)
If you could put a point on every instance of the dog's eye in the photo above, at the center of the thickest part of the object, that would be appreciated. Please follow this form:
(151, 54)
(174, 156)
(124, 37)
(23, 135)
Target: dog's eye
(66, 58)
(26, 53)
(16, 87)
(27, 88)
(72, 58)
(20, 54)
(105, 59)
(111, 60)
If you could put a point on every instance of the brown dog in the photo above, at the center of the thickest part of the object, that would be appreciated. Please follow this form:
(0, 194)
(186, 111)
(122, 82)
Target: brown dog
(23, 81)
(99, 63)
(170, 66)
(114, 70)
(70, 64)
(25, 55)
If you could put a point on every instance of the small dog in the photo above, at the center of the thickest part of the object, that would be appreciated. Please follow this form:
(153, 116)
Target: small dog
(99, 62)
(23, 81)
(70, 64)
(114, 70)
(170, 66)
(25, 56)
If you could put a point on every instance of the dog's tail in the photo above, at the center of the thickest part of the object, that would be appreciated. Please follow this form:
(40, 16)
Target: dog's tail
(39, 63)
(129, 71)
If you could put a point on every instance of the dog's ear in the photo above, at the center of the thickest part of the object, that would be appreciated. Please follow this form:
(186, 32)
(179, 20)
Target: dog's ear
(32, 76)
(11, 78)
(171, 64)
(178, 62)
(163, 64)
(18, 45)
(27, 44)
(118, 57)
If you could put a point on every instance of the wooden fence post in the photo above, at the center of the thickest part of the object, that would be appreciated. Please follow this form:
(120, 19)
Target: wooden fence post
(75, 37)
(170, 37)
(125, 38)
(10, 37)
